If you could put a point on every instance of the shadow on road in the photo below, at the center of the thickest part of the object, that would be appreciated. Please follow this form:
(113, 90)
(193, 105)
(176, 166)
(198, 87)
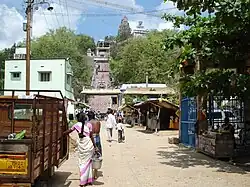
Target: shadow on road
(145, 131)
(60, 179)
(185, 158)
(96, 183)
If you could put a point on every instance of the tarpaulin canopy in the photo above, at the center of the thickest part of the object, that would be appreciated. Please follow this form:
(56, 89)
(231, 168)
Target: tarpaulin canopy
(161, 103)
(127, 106)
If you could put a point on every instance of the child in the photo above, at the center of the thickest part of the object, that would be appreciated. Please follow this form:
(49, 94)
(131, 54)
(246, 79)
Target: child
(120, 129)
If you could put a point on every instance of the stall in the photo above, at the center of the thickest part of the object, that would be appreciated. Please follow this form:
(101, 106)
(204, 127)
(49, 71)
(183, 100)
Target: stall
(162, 109)
(219, 134)
(128, 111)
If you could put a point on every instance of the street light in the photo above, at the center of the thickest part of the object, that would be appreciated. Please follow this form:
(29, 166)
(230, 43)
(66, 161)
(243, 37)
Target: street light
(30, 6)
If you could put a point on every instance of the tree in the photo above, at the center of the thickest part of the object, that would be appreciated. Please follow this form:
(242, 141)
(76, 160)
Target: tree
(219, 40)
(5, 54)
(110, 38)
(64, 43)
(84, 43)
(124, 31)
(144, 55)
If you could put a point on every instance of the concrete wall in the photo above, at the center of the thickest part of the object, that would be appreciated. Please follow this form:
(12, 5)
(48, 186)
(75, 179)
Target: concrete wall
(36, 66)
(58, 68)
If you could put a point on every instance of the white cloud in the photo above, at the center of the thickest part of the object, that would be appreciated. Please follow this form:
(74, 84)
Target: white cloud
(43, 20)
(121, 5)
(169, 7)
(155, 21)
(12, 20)
(11, 26)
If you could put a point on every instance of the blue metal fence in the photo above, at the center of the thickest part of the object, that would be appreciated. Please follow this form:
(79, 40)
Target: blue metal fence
(188, 120)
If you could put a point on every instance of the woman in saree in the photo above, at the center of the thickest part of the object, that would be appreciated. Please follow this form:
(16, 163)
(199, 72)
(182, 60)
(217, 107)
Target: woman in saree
(86, 148)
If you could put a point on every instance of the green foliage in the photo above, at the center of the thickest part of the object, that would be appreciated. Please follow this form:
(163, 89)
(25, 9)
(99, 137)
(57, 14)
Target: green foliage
(195, 7)
(140, 56)
(84, 43)
(220, 82)
(110, 38)
(64, 43)
(221, 39)
(5, 54)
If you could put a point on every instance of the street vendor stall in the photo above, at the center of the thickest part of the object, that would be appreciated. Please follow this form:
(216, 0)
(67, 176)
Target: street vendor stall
(128, 112)
(218, 134)
(162, 109)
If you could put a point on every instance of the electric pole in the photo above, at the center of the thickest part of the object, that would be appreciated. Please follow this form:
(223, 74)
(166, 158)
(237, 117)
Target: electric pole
(146, 79)
(28, 31)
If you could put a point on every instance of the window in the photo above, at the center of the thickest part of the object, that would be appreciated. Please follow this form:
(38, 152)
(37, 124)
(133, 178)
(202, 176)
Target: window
(22, 112)
(15, 76)
(44, 76)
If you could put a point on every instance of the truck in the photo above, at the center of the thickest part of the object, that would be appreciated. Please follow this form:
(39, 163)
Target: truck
(43, 119)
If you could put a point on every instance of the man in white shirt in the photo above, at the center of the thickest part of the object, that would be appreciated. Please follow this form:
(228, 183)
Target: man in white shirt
(111, 123)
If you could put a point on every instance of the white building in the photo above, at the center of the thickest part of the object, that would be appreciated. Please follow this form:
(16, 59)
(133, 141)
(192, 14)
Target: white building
(139, 31)
(125, 87)
(54, 74)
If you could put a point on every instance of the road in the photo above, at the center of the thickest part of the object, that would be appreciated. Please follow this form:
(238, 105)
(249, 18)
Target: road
(146, 160)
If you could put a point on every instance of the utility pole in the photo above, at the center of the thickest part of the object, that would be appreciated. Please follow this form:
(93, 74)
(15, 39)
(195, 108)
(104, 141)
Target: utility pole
(28, 31)
(146, 79)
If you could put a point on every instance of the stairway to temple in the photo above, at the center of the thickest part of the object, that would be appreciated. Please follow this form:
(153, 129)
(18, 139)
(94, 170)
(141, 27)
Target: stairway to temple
(100, 78)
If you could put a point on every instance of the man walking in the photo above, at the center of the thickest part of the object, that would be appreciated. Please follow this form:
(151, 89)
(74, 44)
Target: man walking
(96, 127)
(111, 123)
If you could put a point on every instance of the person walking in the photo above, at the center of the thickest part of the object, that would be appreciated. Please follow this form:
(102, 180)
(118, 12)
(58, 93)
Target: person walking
(86, 149)
(111, 123)
(120, 128)
(96, 127)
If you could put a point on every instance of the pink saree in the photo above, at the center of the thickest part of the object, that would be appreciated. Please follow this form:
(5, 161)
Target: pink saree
(85, 152)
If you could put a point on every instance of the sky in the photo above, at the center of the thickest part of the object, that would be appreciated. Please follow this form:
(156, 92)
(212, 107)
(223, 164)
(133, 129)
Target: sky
(96, 18)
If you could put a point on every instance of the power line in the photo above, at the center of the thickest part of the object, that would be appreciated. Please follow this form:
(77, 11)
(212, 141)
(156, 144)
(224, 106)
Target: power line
(47, 23)
(107, 4)
(67, 12)
(60, 4)
(57, 18)
(129, 10)
(115, 14)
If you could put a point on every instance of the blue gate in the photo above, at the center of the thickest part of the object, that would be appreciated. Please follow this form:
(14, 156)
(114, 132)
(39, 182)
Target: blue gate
(188, 120)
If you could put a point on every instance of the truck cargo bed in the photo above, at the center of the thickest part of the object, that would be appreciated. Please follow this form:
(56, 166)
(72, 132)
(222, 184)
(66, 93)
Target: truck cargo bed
(43, 147)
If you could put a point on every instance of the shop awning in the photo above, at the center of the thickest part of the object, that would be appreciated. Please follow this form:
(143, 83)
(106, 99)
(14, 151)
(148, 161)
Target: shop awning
(162, 103)
(129, 106)
(83, 105)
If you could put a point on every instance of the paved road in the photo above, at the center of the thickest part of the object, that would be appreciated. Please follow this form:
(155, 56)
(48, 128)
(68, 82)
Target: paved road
(148, 160)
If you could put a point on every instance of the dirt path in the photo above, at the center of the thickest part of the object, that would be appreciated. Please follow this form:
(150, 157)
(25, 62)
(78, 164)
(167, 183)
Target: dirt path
(148, 160)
